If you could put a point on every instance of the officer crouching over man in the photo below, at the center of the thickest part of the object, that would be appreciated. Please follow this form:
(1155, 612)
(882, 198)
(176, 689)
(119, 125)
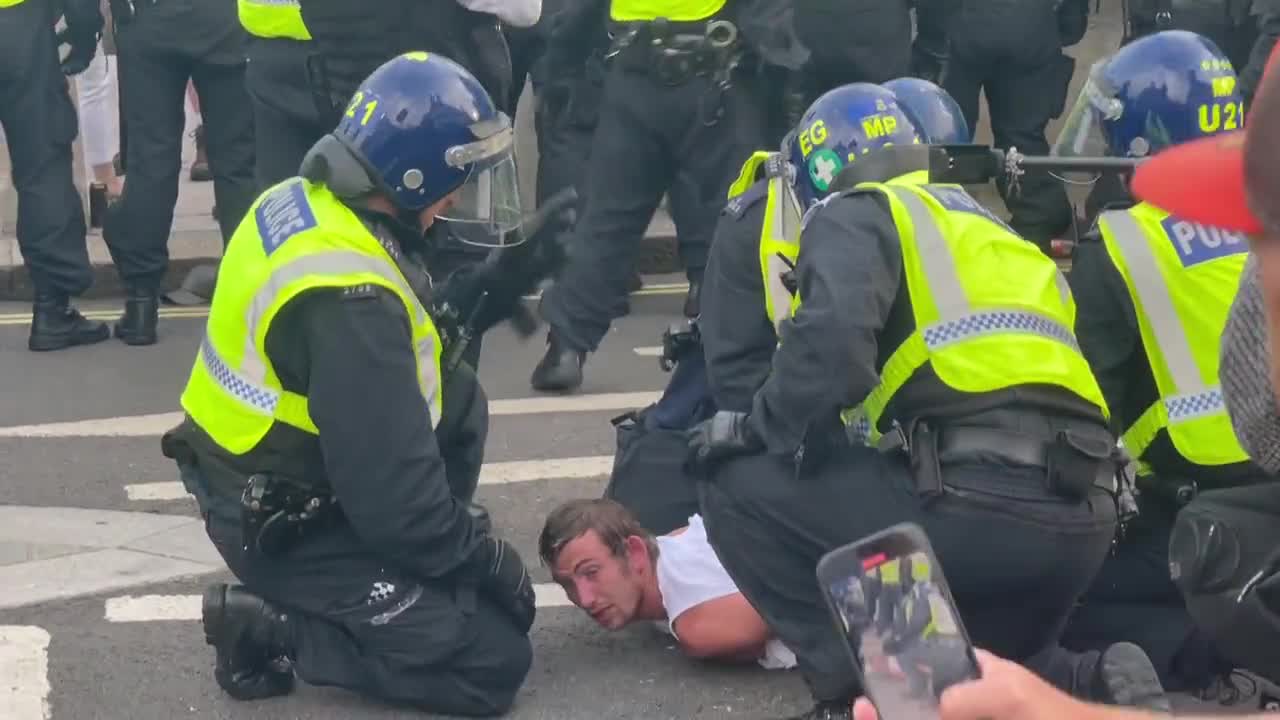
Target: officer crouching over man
(1153, 292)
(332, 452)
(916, 309)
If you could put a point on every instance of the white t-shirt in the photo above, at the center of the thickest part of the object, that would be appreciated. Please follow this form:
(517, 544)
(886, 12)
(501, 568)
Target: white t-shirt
(690, 574)
(516, 13)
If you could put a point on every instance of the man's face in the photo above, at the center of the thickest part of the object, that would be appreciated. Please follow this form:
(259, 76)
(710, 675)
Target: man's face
(598, 581)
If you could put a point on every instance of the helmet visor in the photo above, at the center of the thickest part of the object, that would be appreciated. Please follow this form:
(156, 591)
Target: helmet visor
(485, 210)
(1082, 133)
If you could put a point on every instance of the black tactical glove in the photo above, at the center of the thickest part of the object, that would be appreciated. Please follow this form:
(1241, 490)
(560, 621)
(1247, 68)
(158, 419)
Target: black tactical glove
(83, 47)
(506, 581)
(485, 294)
(725, 435)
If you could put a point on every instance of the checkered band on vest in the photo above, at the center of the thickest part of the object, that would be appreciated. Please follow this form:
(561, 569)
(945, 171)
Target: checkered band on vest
(998, 321)
(257, 397)
(1188, 407)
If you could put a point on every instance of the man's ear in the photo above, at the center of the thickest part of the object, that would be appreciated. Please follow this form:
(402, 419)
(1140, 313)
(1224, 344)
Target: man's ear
(638, 559)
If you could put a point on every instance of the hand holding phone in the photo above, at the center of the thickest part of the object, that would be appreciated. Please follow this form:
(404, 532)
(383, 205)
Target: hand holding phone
(889, 601)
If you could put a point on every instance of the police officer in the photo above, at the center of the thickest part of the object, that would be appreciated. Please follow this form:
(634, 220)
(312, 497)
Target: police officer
(162, 44)
(679, 114)
(760, 227)
(39, 123)
(1153, 297)
(286, 121)
(1011, 51)
(332, 461)
(985, 426)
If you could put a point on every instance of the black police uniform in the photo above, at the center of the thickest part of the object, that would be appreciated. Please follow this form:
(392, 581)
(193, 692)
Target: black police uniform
(1016, 555)
(40, 126)
(862, 41)
(738, 343)
(569, 80)
(1133, 598)
(353, 39)
(1011, 51)
(163, 45)
(661, 128)
(1228, 23)
(392, 595)
(286, 121)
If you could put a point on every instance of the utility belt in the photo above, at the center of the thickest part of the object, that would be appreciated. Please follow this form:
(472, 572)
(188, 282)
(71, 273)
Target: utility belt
(1073, 464)
(276, 513)
(676, 52)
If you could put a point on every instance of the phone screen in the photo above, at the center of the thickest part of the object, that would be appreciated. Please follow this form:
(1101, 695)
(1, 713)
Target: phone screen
(893, 607)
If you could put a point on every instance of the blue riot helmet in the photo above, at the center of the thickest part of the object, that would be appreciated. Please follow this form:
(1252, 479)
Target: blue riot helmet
(840, 127)
(421, 129)
(1158, 91)
(936, 115)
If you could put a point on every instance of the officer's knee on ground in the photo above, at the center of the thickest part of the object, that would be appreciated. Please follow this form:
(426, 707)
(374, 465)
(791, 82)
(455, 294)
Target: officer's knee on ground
(498, 664)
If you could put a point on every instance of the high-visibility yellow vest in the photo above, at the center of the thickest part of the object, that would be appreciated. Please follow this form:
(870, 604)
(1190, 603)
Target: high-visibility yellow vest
(10, 3)
(673, 10)
(272, 19)
(991, 311)
(780, 233)
(1182, 278)
(889, 573)
(297, 237)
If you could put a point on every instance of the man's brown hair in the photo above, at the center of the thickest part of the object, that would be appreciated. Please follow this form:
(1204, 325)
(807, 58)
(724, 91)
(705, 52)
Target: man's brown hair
(613, 522)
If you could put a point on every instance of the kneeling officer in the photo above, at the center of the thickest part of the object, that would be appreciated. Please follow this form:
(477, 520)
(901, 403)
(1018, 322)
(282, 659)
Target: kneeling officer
(333, 465)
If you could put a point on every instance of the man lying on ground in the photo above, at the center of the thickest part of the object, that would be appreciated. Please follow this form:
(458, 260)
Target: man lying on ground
(620, 573)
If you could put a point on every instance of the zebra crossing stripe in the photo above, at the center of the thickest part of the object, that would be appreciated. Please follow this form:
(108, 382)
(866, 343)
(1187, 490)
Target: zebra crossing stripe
(186, 608)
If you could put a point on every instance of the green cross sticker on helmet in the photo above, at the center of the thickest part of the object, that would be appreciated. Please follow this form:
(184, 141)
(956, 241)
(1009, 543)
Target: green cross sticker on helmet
(824, 165)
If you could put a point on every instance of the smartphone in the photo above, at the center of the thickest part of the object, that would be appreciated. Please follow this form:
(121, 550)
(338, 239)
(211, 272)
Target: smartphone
(893, 608)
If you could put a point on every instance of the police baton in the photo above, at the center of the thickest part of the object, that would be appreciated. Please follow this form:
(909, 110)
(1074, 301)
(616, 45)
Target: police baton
(978, 164)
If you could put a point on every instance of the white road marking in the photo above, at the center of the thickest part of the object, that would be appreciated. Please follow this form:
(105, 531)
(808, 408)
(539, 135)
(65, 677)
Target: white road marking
(498, 473)
(651, 351)
(24, 673)
(160, 608)
(155, 425)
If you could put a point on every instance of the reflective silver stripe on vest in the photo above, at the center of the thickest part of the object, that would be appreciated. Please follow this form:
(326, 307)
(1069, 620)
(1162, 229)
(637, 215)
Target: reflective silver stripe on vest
(957, 320)
(338, 262)
(1192, 397)
(248, 384)
(275, 3)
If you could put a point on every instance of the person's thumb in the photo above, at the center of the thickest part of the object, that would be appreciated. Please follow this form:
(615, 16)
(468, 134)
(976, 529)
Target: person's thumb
(972, 699)
(864, 710)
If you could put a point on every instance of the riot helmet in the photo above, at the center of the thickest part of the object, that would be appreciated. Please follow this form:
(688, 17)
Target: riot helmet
(420, 130)
(936, 115)
(1161, 90)
(839, 128)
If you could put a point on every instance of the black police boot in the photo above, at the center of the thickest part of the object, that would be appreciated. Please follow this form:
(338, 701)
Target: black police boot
(560, 369)
(1125, 676)
(251, 640)
(827, 710)
(56, 325)
(141, 315)
(691, 299)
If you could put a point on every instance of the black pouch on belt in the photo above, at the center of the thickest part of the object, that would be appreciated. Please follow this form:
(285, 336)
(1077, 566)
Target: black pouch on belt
(926, 468)
(1075, 464)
